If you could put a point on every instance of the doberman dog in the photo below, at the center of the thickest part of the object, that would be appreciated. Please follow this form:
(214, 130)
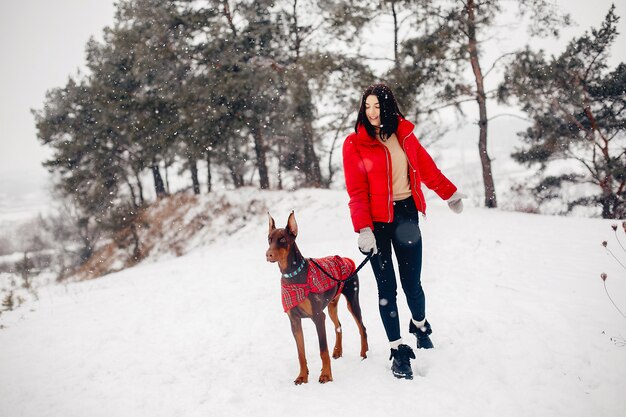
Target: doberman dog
(311, 296)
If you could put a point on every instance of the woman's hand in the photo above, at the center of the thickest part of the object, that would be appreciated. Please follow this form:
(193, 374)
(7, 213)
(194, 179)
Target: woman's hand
(367, 241)
(456, 202)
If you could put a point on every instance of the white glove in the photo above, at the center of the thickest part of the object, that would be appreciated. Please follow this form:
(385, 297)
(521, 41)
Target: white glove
(455, 202)
(367, 241)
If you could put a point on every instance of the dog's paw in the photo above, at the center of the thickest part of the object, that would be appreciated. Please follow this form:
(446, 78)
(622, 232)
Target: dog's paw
(364, 349)
(324, 378)
(301, 380)
(337, 353)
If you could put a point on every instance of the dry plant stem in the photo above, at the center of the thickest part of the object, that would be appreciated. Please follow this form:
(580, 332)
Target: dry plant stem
(607, 294)
(620, 243)
(614, 257)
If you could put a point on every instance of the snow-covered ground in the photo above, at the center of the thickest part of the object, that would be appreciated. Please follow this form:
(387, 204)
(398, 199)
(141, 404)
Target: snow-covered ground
(522, 326)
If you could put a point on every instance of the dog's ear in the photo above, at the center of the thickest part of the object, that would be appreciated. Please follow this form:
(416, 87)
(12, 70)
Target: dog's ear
(272, 223)
(292, 226)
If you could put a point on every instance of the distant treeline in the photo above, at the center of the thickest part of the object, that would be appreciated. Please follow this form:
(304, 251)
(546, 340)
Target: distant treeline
(262, 92)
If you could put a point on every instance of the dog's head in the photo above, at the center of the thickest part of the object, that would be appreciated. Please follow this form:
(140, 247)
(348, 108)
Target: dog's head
(281, 241)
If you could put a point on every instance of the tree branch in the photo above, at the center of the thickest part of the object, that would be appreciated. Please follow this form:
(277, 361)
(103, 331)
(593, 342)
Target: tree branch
(453, 103)
(229, 17)
(372, 58)
(496, 62)
(510, 115)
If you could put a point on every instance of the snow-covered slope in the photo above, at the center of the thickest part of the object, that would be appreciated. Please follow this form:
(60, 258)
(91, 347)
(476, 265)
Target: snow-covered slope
(521, 324)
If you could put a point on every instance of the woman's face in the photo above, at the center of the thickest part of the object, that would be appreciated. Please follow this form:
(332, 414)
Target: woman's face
(372, 110)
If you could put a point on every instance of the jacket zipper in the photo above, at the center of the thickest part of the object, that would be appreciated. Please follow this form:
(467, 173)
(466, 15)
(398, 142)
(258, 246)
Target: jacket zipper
(414, 171)
(389, 189)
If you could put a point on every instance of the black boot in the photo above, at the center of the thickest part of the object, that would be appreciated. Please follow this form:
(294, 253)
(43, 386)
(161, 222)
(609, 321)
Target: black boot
(401, 364)
(423, 341)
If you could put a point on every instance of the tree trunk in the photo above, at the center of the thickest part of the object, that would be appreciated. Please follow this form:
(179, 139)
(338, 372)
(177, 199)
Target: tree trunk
(233, 162)
(490, 189)
(86, 250)
(312, 172)
(159, 187)
(608, 198)
(208, 171)
(259, 149)
(137, 248)
(132, 193)
(139, 186)
(280, 171)
(235, 175)
(137, 172)
(395, 35)
(304, 108)
(193, 166)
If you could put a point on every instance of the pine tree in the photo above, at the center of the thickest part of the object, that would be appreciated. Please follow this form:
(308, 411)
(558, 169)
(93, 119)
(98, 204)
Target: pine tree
(578, 108)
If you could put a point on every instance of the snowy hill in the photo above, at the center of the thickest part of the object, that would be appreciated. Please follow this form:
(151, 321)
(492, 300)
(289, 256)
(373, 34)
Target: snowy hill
(521, 324)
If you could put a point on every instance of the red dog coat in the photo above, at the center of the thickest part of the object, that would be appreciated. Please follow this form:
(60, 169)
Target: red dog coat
(317, 281)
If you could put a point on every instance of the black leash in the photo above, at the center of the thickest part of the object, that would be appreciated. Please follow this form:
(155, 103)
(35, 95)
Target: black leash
(352, 275)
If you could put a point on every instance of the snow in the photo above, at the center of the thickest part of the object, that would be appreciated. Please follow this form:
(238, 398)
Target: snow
(521, 323)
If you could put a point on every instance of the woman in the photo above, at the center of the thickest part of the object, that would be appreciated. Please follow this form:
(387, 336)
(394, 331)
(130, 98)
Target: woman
(384, 166)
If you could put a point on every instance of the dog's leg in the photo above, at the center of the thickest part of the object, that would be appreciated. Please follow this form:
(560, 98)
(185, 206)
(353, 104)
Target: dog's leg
(351, 292)
(319, 318)
(332, 312)
(296, 329)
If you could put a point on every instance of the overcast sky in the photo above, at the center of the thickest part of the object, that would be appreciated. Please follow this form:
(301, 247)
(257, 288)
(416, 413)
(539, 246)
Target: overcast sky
(42, 42)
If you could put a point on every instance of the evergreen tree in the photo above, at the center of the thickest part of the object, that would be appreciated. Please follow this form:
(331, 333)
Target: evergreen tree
(578, 108)
(157, 38)
(83, 159)
(316, 73)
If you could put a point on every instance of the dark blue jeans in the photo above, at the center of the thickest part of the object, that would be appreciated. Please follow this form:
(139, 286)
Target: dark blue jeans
(405, 237)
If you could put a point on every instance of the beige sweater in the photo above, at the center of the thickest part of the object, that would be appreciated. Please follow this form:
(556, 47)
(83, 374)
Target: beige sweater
(399, 169)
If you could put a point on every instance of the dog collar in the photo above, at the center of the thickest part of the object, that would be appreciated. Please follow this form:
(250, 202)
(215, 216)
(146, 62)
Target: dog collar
(297, 271)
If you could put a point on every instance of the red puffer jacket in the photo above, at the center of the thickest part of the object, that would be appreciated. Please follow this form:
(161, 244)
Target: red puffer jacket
(367, 170)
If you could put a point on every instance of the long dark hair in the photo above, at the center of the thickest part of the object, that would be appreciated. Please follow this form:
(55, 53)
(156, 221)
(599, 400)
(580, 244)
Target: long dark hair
(389, 111)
